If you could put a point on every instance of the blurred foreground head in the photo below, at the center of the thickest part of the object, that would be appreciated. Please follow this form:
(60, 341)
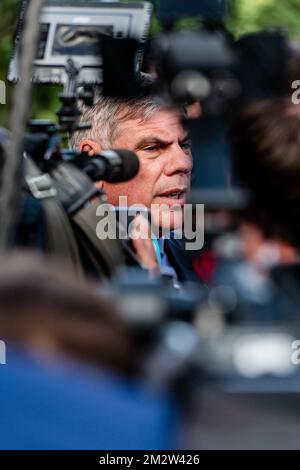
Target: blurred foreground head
(266, 143)
(46, 310)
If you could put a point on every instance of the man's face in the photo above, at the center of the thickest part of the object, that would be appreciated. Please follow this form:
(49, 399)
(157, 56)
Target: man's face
(163, 148)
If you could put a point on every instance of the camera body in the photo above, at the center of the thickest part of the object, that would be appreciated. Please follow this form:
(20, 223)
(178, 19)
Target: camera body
(76, 29)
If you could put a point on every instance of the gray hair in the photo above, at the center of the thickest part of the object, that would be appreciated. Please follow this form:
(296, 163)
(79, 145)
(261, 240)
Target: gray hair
(106, 115)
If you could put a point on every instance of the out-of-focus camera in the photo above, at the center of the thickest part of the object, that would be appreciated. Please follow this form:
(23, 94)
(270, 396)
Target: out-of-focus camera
(76, 29)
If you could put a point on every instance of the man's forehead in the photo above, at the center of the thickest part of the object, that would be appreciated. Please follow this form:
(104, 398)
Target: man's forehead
(162, 124)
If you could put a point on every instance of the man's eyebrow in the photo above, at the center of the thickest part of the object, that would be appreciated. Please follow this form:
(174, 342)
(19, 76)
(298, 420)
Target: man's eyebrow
(186, 138)
(151, 140)
(154, 140)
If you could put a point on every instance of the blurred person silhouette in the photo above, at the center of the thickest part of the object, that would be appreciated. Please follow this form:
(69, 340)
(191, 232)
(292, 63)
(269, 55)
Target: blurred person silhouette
(47, 310)
(69, 377)
(266, 148)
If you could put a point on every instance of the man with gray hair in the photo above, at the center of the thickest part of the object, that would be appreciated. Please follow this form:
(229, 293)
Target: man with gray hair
(156, 134)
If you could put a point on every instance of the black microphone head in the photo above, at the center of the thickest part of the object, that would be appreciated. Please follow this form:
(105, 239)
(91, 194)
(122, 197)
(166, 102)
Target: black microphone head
(123, 165)
(130, 163)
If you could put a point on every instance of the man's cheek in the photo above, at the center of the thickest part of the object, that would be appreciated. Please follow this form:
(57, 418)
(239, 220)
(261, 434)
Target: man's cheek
(114, 192)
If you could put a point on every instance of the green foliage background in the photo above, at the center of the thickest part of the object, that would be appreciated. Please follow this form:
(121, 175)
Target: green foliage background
(251, 15)
(243, 16)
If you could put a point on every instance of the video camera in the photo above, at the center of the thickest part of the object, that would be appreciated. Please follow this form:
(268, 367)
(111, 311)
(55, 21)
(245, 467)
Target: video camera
(76, 29)
(70, 53)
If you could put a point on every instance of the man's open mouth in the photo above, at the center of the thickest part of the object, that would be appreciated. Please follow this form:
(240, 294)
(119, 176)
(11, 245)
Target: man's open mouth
(175, 194)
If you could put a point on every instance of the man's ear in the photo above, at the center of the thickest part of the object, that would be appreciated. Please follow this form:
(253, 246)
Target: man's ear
(90, 147)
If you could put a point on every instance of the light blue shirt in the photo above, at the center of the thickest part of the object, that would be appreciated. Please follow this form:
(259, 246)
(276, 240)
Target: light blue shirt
(165, 267)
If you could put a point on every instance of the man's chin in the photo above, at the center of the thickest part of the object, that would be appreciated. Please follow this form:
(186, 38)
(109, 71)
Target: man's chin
(167, 217)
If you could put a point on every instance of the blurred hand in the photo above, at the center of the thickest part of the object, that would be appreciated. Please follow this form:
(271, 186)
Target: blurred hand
(143, 244)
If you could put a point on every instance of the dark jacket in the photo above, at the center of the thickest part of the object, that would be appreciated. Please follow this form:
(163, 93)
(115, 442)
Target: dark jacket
(181, 259)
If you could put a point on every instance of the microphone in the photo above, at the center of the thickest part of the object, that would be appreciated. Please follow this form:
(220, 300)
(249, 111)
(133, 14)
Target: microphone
(113, 166)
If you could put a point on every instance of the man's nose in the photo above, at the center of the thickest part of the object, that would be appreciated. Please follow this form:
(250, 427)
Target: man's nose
(179, 161)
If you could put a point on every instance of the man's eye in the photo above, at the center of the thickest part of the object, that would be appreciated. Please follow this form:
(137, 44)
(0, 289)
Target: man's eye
(186, 145)
(151, 148)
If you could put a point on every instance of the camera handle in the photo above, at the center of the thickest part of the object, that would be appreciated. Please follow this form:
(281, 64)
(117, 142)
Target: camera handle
(69, 113)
